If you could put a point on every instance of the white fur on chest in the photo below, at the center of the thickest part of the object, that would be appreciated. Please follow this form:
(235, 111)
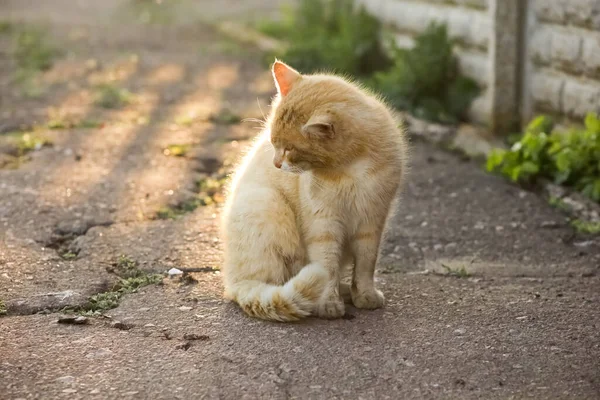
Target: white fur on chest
(355, 198)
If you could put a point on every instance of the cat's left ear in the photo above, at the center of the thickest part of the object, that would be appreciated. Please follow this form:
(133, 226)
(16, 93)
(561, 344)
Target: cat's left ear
(319, 127)
(285, 77)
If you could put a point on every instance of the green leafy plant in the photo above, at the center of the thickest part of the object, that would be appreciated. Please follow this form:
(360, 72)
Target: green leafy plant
(330, 35)
(425, 80)
(570, 158)
(588, 227)
(32, 51)
(177, 150)
(108, 300)
(110, 96)
(457, 272)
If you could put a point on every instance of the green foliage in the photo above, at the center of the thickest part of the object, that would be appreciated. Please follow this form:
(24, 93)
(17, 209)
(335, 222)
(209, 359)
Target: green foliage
(25, 142)
(68, 255)
(32, 51)
(225, 117)
(336, 35)
(457, 272)
(425, 80)
(330, 35)
(6, 27)
(569, 158)
(110, 96)
(587, 227)
(59, 123)
(108, 300)
(177, 150)
(126, 268)
(210, 191)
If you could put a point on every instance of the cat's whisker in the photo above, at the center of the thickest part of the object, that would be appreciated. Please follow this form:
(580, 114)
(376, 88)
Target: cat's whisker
(261, 110)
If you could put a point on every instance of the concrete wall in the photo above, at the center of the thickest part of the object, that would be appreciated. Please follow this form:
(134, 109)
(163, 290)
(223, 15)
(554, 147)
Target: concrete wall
(562, 58)
(528, 56)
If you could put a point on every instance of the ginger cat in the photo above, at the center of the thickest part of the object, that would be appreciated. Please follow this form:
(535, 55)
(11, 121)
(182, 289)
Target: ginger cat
(311, 198)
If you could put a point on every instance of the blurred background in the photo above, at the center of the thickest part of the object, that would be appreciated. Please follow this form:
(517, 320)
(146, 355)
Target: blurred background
(121, 120)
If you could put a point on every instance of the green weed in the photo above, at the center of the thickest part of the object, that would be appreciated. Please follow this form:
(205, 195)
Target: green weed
(587, 227)
(559, 204)
(187, 206)
(425, 81)
(329, 34)
(209, 192)
(177, 150)
(569, 158)
(457, 272)
(111, 96)
(225, 117)
(6, 27)
(68, 255)
(101, 302)
(26, 142)
(33, 54)
(32, 51)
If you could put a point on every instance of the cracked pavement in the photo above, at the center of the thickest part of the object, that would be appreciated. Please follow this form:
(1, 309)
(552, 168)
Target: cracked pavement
(524, 323)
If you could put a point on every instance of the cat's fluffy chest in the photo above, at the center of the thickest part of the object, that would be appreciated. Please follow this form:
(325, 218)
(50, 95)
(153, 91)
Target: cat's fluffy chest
(355, 196)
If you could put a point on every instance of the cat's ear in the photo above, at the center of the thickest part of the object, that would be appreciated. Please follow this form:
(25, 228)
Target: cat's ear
(319, 127)
(285, 77)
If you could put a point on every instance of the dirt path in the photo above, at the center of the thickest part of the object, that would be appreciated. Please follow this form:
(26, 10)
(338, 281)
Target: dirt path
(491, 294)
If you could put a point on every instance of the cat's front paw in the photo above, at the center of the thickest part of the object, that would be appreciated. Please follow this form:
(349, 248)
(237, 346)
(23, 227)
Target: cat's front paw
(368, 299)
(330, 309)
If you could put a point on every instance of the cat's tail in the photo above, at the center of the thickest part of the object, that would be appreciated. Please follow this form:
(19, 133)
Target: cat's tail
(289, 302)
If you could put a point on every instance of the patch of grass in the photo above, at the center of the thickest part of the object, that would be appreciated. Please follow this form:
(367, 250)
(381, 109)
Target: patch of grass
(26, 142)
(59, 123)
(126, 267)
(68, 255)
(32, 51)
(329, 34)
(337, 35)
(102, 302)
(425, 80)
(3, 310)
(559, 204)
(587, 227)
(111, 96)
(6, 27)
(225, 117)
(457, 272)
(570, 158)
(185, 120)
(33, 54)
(187, 206)
(89, 124)
(209, 192)
(177, 150)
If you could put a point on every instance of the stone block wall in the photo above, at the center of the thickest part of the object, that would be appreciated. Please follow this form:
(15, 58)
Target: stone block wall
(528, 56)
(562, 58)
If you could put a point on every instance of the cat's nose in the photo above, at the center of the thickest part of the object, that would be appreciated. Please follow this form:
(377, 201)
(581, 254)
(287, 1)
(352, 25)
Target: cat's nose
(277, 162)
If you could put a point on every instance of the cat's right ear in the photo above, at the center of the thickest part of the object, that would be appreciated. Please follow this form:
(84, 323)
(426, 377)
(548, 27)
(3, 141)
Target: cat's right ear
(285, 77)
